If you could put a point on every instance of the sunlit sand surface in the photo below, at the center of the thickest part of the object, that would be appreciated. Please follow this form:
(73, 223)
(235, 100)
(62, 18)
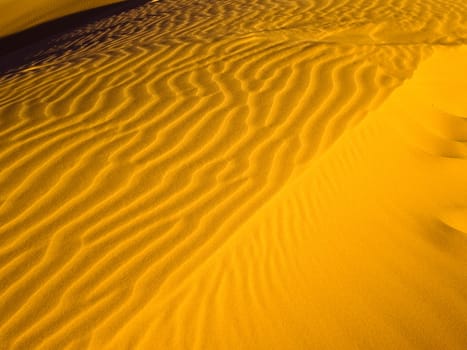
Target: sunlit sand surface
(238, 175)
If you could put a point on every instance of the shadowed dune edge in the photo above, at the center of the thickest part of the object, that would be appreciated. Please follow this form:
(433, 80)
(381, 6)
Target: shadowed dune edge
(19, 15)
(18, 47)
(238, 175)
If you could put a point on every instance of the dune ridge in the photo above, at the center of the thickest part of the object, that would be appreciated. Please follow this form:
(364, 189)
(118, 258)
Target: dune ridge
(132, 149)
(18, 16)
(318, 273)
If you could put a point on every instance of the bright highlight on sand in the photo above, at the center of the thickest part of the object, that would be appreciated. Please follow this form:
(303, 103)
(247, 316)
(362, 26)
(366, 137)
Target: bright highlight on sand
(234, 174)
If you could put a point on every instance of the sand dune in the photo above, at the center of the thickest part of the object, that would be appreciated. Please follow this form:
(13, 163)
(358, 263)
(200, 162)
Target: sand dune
(198, 175)
(354, 253)
(22, 15)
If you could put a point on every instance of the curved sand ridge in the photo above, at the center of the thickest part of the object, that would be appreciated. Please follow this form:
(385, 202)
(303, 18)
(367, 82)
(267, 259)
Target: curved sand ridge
(131, 149)
(354, 253)
(21, 15)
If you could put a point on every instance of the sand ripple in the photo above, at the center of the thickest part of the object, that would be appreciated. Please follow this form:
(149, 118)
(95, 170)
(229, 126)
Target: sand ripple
(132, 149)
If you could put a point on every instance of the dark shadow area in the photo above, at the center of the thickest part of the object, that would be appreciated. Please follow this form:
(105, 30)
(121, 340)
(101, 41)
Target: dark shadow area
(20, 48)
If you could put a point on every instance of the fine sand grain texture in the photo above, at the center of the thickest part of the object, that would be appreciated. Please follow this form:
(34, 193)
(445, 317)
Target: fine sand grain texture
(238, 175)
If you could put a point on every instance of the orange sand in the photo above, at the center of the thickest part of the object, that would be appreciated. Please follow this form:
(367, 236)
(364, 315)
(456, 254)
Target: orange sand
(17, 15)
(239, 175)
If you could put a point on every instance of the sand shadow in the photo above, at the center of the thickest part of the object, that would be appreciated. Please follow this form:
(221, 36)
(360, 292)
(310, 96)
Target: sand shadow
(21, 48)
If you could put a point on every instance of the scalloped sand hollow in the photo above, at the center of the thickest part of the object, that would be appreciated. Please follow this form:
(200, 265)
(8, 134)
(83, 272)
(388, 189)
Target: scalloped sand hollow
(239, 175)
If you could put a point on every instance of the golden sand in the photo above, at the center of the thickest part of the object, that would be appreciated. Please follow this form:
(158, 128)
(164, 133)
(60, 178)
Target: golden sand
(18, 15)
(239, 175)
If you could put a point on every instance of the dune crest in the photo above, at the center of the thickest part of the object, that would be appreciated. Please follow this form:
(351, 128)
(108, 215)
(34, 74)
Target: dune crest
(21, 15)
(353, 253)
(144, 156)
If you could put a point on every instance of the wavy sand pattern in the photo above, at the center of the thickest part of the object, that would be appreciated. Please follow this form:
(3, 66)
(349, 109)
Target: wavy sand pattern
(196, 175)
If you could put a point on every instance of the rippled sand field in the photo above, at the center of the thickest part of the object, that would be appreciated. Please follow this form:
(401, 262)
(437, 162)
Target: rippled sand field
(195, 174)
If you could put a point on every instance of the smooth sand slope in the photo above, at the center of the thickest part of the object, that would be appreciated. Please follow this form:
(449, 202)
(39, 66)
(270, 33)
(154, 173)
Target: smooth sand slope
(239, 175)
(19, 15)
(366, 249)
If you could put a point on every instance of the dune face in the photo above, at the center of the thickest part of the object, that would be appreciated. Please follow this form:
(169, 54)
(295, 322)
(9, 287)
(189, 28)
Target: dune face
(19, 15)
(238, 175)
